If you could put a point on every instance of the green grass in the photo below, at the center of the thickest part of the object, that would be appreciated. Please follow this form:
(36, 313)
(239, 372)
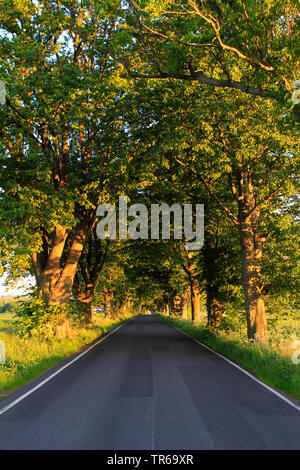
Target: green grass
(271, 363)
(26, 358)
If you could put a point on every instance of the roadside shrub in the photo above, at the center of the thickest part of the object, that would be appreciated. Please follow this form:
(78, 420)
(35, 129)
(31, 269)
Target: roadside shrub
(232, 319)
(34, 318)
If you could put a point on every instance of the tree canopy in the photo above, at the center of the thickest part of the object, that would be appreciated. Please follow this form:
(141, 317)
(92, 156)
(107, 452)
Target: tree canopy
(185, 102)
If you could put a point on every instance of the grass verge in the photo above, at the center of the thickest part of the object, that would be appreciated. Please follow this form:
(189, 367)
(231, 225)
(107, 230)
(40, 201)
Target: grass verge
(27, 358)
(269, 366)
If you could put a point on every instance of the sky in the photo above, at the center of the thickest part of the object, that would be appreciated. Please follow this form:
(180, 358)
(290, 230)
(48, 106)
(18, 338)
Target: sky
(17, 288)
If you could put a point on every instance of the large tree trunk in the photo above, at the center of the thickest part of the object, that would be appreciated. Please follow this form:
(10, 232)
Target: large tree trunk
(255, 305)
(60, 292)
(55, 267)
(47, 264)
(251, 253)
(55, 270)
(64, 329)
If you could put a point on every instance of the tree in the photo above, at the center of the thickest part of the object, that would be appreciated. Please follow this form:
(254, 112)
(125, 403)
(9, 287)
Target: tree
(255, 156)
(242, 45)
(60, 132)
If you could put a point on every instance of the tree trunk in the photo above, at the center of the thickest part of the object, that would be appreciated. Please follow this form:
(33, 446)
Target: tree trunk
(125, 306)
(159, 306)
(64, 329)
(215, 310)
(255, 305)
(85, 300)
(212, 257)
(60, 293)
(184, 305)
(176, 305)
(190, 267)
(109, 303)
(195, 299)
(54, 274)
(87, 312)
(251, 253)
(49, 274)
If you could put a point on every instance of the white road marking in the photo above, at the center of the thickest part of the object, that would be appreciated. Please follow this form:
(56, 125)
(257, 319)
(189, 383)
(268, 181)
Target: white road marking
(25, 395)
(272, 390)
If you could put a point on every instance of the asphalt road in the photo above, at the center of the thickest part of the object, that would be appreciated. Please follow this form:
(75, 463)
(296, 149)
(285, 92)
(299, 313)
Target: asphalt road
(147, 386)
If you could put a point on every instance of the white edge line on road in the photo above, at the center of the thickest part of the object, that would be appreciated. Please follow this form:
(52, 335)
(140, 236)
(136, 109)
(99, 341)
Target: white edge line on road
(25, 395)
(272, 390)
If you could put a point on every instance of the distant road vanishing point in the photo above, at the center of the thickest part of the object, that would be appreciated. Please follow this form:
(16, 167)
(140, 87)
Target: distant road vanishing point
(147, 386)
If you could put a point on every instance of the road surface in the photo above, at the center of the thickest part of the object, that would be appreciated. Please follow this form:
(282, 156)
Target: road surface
(148, 386)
